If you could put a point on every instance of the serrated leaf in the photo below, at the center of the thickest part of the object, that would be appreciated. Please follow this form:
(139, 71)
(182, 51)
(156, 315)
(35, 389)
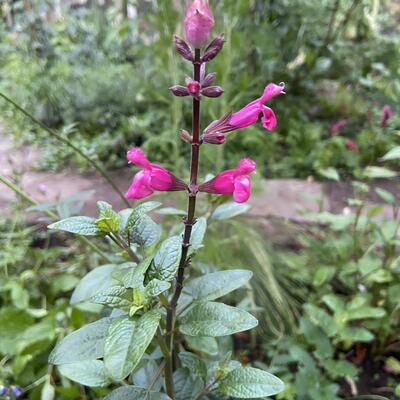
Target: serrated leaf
(217, 284)
(135, 275)
(216, 319)
(166, 260)
(88, 373)
(229, 210)
(109, 220)
(84, 226)
(145, 231)
(87, 343)
(250, 383)
(95, 281)
(115, 297)
(135, 393)
(156, 287)
(393, 154)
(126, 343)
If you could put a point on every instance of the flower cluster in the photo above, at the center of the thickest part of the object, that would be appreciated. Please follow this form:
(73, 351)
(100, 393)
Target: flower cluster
(14, 391)
(199, 22)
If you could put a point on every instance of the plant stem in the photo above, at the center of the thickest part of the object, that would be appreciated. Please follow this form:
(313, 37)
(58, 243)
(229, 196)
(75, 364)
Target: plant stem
(51, 214)
(69, 144)
(189, 221)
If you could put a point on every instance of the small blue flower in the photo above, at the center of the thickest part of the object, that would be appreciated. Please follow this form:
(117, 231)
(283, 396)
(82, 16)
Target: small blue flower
(3, 390)
(16, 390)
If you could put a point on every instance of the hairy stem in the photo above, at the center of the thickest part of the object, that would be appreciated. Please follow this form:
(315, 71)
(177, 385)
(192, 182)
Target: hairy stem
(189, 221)
(51, 214)
(69, 144)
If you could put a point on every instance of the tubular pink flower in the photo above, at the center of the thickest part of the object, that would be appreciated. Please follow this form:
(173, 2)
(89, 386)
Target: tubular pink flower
(387, 113)
(337, 126)
(151, 178)
(249, 114)
(199, 21)
(233, 181)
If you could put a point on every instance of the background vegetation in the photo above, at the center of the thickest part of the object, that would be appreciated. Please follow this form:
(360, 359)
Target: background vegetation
(328, 298)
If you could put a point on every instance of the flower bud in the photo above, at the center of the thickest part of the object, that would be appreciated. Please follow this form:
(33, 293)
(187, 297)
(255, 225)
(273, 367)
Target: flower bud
(193, 87)
(199, 21)
(179, 91)
(186, 137)
(212, 91)
(214, 138)
(183, 49)
(208, 80)
(213, 48)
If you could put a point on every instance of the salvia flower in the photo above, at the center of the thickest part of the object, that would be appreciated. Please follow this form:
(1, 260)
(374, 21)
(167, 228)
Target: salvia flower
(193, 87)
(352, 145)
(199, 22)
(337, 126)
(151, 178)
(387, 113)
(234, 181)
(249, 114)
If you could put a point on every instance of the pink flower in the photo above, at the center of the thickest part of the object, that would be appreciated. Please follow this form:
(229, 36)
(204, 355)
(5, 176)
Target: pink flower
(351, 145)
(249, 114)
(151, 178)
(199, 21)
(337, 126)
(233, 181)
(387, 113)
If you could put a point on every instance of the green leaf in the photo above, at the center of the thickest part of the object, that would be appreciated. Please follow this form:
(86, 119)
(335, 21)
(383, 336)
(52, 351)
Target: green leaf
(194, 364)
(316, 337)
(126, 343)
(366, 312)
(216, 319)
(166, 260)
(330, 173)
(135, 276)
(198, 232)
(87, 343)
(386, 195)
(334, 302)
(48, 391)
(90, 373)
(115, 297)
(217, 284)
(97, 280)
(203, 344)
(156, 287)
(379, 172)
(321, 318)
(229, 210)
(250, 383)
(85, 226)
(144, 377)
(135, 393)
(393, 154)
(355, 334)
(109, 220)
(187, 387)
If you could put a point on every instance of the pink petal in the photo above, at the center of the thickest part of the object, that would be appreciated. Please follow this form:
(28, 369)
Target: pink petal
(271, 91)
(246, 116)
(199, 21)
(247, 165)
(140, 187)
(161, 179)
(138, 157)
(242, 189)
(223, 183)
(268, 120)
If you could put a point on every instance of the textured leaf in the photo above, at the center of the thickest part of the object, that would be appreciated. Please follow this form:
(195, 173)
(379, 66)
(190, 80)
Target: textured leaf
(88, 373)
(135, 275)
(229, 210)
(156, 287)
(85, 226)
(135, 393)
(109, 220)
(115, 297)
(95, 281)
(187, 387)
(144, 377)
(87, 343)
(126, 343)
(198, 232)
(250, 383)
(194, 364)
(166, 260)
(203, 344)
(217, 284)
(216, 319)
